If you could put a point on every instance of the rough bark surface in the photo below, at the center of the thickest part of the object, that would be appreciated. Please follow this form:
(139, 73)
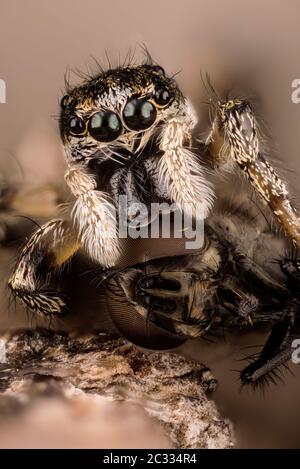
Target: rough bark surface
(100, 391)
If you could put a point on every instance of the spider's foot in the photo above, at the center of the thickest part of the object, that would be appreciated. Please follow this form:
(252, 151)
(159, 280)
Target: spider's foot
(45, 303)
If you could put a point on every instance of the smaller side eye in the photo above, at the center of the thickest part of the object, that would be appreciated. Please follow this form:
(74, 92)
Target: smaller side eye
(162, 96)
(64, 101)
(77, 126)
(158, 69)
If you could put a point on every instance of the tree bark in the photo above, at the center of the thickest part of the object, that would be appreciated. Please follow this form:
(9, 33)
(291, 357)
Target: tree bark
(100, 391)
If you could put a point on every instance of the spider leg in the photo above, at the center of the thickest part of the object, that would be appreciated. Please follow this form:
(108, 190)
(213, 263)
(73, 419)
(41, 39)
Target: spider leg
(52, 246)
(276, 352)
(234, 141)
(94, 217)
(179, 172)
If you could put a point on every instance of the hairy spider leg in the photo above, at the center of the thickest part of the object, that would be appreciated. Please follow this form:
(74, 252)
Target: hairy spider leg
(94, 217)
(54, 243)
(234, 140)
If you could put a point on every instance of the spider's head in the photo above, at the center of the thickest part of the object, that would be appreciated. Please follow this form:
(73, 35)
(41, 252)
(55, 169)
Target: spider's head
(119, 109)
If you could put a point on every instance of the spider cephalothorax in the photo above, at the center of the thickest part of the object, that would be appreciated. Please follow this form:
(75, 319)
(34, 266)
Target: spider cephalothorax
(117, 107)
(126, 131)
(135, 122)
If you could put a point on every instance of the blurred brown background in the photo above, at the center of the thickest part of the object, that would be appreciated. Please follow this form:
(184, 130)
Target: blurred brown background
(250, 47)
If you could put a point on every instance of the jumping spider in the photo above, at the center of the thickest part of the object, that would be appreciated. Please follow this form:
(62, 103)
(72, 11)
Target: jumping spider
(129, 131)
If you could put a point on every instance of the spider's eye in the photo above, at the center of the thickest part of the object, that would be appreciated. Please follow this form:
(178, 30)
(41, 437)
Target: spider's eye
(139, 114)
(162, 96)
(104, 126)
(64, 100)
(158, 69)
(77, 126)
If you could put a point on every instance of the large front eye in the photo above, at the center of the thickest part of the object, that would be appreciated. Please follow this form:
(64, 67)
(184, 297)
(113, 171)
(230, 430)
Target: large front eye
(104, 126)
(139, 114)
(77, 126)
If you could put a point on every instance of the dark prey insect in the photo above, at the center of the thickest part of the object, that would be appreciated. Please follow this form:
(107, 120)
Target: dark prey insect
(232, 283)
(130, 131)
